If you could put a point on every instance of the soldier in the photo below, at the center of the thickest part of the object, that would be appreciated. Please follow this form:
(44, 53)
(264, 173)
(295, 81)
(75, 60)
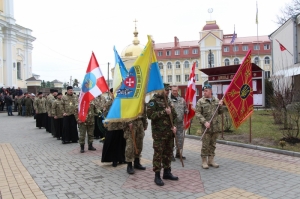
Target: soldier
(57, 114)
(87, 127)
(48, 122)
(99, 103)
(50, 99)
(162, 133)
(70, 133)
(135, 130)
(205, 108)
(40, 110)
(180, 106)
(28, 105)
(20, 105)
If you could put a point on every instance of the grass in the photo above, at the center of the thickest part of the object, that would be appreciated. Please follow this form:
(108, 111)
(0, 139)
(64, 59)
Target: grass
(264, 131)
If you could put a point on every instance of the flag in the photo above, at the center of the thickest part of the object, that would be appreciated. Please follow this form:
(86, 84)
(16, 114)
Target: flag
(256, 20)
(282, 48)
(93, 85)
(120, 72)
(239, 94)
(155, 80)
(233, 37)
(129, 102)
(190, 98)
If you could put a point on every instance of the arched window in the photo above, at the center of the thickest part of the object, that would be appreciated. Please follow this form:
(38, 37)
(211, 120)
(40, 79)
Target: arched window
(186, 64)
(236, 61)
(267, 60)
(211, 60)
(161, 65)
(177, 64)
(227, 62)
(169, 65)
(256, 60)
(197, 63)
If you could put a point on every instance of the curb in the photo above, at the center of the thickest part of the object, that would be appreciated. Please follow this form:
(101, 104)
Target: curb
(250, 146)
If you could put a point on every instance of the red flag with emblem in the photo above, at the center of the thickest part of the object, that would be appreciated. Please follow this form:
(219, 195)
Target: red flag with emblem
(190, 98)
(239, 94)
(93, 85)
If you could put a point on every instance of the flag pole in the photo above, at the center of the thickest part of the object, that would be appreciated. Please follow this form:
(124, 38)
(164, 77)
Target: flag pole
(250, 137)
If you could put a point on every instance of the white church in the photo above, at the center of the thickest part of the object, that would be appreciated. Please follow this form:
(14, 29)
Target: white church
(15, 48)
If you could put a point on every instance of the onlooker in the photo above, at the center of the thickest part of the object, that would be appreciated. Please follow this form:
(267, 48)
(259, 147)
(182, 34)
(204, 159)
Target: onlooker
(23, 104)
(8, 102)
(2, 101)
(19, 92)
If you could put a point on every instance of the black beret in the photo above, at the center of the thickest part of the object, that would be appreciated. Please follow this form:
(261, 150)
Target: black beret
(69, 87)
(40, 93)
(59, 94)
(111, 90)
(55, 90)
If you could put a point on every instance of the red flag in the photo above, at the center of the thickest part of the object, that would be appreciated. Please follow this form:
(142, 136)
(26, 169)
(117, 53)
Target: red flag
(282, 48)
(190, 98)
(93, 85)
(239, 94)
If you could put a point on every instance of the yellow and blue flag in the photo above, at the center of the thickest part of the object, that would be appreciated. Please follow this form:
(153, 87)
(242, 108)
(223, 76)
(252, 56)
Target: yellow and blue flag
(129, 102)
(120, 72)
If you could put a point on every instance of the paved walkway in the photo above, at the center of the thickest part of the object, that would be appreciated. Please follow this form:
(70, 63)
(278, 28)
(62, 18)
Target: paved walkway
(35, 165)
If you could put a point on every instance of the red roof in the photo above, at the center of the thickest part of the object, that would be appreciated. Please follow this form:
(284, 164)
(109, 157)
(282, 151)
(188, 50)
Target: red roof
(180, 45)
(251, 39)
(211, 27)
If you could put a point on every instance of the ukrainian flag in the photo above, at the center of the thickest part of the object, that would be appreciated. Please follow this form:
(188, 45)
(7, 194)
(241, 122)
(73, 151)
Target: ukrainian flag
(130, 99)
(155, 79)
(120, 72)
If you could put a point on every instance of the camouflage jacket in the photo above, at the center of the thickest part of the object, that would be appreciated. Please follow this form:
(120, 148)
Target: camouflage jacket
(100, 102)
(57, 108)
(40, 105)
(90, 118)
(69, 104)
(205, 110)
(111, 125)
(180, 106)
(50, 100)
(160, 120)
(28, 101)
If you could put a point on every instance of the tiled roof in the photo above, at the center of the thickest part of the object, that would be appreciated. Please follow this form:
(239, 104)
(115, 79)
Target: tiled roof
(251, 39)
(181, 44)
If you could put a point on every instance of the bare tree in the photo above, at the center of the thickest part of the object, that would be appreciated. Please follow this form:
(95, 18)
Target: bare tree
(289, 10)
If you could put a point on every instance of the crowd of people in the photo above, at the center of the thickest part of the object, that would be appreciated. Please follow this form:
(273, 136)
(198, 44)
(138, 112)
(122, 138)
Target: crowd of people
(123, 141)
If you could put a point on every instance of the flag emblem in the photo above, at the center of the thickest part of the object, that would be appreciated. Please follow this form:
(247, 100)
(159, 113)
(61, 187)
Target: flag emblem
(89, 82)
(245, 91)
(130, 81)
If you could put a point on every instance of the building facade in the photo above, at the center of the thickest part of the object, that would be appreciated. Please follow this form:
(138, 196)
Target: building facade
(15, 48)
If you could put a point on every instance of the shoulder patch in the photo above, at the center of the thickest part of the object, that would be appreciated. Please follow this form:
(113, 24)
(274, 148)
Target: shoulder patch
(151, 104)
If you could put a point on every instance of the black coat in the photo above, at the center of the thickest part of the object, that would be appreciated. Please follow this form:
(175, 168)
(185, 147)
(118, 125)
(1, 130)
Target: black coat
(8, 100)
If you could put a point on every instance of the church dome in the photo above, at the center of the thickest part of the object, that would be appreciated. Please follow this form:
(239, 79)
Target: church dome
(134, 49)
(211, 25)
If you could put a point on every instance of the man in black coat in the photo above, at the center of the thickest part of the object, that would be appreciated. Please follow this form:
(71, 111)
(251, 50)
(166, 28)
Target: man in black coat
(8, 102)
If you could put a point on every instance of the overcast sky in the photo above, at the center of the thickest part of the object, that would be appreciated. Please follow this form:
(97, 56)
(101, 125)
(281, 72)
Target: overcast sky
(67, 31)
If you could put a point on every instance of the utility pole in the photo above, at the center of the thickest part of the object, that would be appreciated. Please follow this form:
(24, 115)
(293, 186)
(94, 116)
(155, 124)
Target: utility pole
(70, 81)
(108, 74)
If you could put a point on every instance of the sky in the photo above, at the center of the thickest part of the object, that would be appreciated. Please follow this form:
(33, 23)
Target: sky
(68, 31)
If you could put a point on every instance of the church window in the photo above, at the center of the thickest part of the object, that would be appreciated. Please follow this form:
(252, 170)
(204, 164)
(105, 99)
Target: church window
(169, 78)
(186, 78)
(236, 61)
(256, 60)
(256, 47)
(245, 48)
(197, 63)
(197, 77)
(178, 79)
(177, 52)
(168, 53)
(267, 60)
(161, 65)
(19, 74)
(186, 52)
(195, 51)
(160, 53)
(226, 49)
(266, 46)
(235, 48)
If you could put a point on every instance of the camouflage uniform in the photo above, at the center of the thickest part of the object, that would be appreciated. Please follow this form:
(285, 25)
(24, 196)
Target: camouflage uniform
(57, 111)
(28, 105)
(20, 105)
(204, 110)
(99, 103)
(138, 126)
(50, 100)
(163, 137)
(180, 106)
(70, 132)
(89, 124)
(40, 108)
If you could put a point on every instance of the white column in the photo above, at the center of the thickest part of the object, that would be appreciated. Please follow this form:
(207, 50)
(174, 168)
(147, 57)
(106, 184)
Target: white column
(9, 11)
(1, 60)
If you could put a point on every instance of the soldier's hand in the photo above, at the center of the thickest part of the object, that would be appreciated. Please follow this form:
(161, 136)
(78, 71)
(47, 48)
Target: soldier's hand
(221, 102)
(130, 126)
(207, 125)
(65, 114)
(55, 117)
(174, 129)
(79, 122)
(168, 110)
(49, 115)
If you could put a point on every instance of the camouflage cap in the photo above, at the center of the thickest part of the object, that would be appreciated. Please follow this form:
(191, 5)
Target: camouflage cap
(167, 87)
(206, 86)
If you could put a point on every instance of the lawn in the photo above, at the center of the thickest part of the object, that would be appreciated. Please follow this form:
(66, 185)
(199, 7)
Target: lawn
(264, 131)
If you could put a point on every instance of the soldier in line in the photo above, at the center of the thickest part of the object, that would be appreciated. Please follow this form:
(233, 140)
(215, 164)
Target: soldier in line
(40, 111)
(99, 103)
(180, 106)
(162, 133)
(50, 99)
(57, 114)
(135, 130)
(20, 105)
(28, 105)
(205, 109)
(48, 122)
(87, 127)
(70, 133)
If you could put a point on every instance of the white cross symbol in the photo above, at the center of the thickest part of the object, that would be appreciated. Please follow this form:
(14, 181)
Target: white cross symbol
(129, 82)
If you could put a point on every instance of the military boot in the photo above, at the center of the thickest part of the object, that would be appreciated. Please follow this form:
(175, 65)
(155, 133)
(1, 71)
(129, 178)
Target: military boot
(138, 165)
(82, 148)
(211, 162)
(158, 181)
(130, 170)
(91, 148)
(168, 175)
(204, 162)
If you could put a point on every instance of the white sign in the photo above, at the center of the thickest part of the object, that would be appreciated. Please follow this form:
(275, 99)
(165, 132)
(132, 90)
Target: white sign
(215, 90)
(257, 99)
(225, 88)
(254, 85)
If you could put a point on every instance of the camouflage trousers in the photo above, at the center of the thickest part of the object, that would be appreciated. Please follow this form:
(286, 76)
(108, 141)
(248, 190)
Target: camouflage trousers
(28, 110)
(139, 133)
(163, 143)
(179, 135)
(83, 129)
(209, 144)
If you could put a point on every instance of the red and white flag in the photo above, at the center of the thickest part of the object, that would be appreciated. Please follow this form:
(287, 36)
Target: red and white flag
(93, 85)
(190, 98)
